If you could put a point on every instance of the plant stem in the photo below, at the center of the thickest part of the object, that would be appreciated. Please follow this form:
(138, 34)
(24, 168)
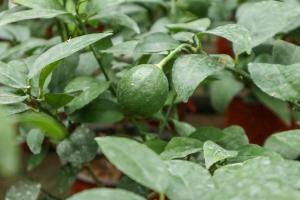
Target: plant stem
(240, 73)
(97, 56)
(93, 175)
(172, 54)
(162, 196)
(166, 119)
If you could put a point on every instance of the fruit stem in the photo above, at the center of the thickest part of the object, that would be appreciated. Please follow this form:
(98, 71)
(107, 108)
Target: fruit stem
(161, 196)
(173, 53)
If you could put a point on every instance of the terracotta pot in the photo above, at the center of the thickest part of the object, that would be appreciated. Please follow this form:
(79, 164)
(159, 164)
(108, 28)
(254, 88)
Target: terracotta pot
(257, 120)
(223, 46)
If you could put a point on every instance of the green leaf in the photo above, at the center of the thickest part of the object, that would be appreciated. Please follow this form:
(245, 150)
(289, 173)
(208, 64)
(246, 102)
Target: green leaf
(21, 49)
(156, 43)
(251, 151)
(213, 153)
(128, 184)
(280, 108)
(101, 111)
(67, 175)
(237, 34)
(183, 129)
(279, 81)
(285, 53)
(64, 73)
(267, 18)
(105, 193)
(9, 151)
(80, 147)
(125, 48)
(50, 126)
(223, 90)
(208, 133)
(10, 98)
(285, 143)
(259, 178)
(91, 88)
(13, 109)
(45, 73)
(36, 159)
(190, 70)
(12, 77)
(234, 137)
(185, 37)
(58, 100)
(180, 147)
(136, 161)
(120, 19)
(30, 14)
(198, 25)
(64, 50)
(23, 190)
(12, 32)
(38, 4)
(157, 145)
(34, 140)
(188, 181)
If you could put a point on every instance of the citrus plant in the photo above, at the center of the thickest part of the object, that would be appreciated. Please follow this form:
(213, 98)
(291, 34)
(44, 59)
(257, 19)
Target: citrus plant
(67, 64)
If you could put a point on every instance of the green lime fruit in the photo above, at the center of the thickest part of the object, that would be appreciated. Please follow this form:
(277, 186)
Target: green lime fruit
(143, 90)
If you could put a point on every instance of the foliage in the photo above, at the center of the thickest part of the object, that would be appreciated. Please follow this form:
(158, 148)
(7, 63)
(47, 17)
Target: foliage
(67, 63)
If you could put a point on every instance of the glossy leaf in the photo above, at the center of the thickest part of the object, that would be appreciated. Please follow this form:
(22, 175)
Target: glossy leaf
(9, 151)
(189, 181)
(279, 81)
(183, 129)
(237, 34)
(223, 90)
(180, 147)
(285, 143)
(279, 107)
(80, 147)
(156, 43)
(30, 14)
(48, 4)
(58, 100)
(199, 25)
(16, 108)
(36, 159)
(208, 133)
(64, 50)
(213, 153)
(91, 88)
(267, 18)
(23, 190)
(234, 138)
(105, 193)
(190, 70)
(126, 48)
(99, 111)
(52, 128)
(286, 53)
(251, 151)
(11, 77)
(120, 19)
(10, 98)
(136, 161)
(270, 179)
(34, 140)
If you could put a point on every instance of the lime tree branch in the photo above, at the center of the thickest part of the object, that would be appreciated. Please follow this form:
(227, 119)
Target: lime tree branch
(173, 53)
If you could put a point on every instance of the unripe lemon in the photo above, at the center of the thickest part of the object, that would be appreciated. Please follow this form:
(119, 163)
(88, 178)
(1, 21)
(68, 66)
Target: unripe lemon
(143, 90)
